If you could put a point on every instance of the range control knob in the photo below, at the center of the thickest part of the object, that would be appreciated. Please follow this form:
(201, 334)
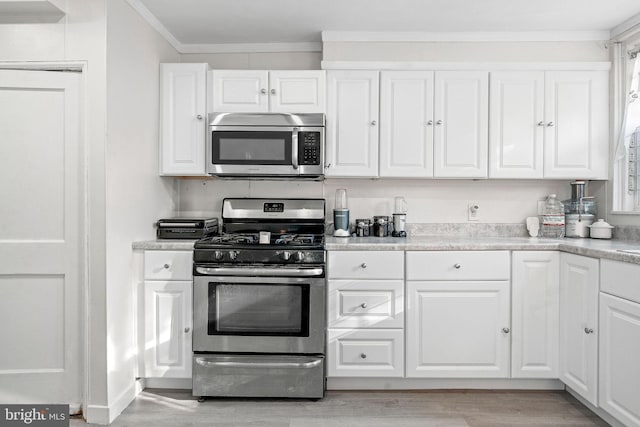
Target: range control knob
(233, 255)
(299, 256)
(218, 255)
(286, 255)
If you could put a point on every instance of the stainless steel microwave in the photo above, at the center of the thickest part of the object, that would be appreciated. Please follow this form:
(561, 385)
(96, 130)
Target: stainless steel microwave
(269, 145)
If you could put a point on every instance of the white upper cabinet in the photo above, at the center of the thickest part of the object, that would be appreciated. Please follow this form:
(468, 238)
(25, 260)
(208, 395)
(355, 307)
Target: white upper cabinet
(461, 124)
(576, 124)
(352, 124)
(406, 123)
(299, 91)
(516, 125)
(183, 119)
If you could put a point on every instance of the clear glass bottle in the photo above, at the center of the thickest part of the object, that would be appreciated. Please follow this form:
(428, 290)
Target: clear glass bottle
(552, 218)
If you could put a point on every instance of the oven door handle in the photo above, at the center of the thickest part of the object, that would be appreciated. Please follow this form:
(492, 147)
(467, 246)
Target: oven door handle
(260, 271)
(208, 363)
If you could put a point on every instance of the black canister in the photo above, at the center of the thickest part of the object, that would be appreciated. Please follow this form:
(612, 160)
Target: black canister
(381, 226)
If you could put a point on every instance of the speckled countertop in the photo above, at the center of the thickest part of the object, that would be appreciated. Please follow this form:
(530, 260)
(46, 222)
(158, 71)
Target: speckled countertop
(608, 249)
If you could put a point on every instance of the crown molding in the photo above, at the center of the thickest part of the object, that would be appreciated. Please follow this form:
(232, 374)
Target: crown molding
(475, 66)
(153, 21)
(627, 29)
(516, 36)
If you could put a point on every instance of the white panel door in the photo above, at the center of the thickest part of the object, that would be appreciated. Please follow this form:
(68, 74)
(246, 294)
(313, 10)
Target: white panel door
(516, 124)
(183, 119)
(352, 124)
(579, 324)
(40, 237)
(458, 329)
(577, 131)
(619, 356)
(461, 124)
(299, 91)
(168, 318)
(535, 314)
(406, 124)
(240, 91)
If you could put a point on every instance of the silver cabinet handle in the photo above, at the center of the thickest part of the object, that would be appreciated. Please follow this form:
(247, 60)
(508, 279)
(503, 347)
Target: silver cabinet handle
(328, 166)
(263, 91)
(439, 122)
(373, 123)
(588, 330)
(550, 124)
(363, 305)
(363, 265)
(166, 266)
(186, 330)
(199, 117)
(363, 356)
(430, 123)
(540, 123)
(506, 330)
(457, 266)
(273, 91)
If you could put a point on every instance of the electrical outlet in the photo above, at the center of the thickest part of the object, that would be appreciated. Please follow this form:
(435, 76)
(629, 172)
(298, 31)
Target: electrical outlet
(473, 211)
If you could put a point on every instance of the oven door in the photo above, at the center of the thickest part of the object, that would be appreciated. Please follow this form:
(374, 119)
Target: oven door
(248, 314)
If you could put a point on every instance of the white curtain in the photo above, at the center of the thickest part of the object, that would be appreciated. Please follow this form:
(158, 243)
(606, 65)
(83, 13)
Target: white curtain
(625, 200)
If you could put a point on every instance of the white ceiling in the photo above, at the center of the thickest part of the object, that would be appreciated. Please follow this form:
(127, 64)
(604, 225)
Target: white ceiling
(223, 22)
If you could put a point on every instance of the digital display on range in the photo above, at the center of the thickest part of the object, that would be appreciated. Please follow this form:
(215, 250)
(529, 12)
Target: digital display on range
(273, 207)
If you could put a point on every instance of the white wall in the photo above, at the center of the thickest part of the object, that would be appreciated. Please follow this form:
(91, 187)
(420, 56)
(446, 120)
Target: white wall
(135, 195)
(258, 61)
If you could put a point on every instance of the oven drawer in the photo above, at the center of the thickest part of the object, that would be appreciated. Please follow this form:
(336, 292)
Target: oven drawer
(458, 265)
(298, 376)
(168, 265)
(365, 353)
(366, 303)
(365, 264)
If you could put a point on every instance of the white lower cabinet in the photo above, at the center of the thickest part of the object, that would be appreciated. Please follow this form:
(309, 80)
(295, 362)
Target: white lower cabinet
(535, 294)
(619, 373)
(167, 320)
(579, 280)
(460, 327)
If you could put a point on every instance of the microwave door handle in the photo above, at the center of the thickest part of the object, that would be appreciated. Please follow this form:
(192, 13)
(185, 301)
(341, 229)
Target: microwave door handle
(294, 148)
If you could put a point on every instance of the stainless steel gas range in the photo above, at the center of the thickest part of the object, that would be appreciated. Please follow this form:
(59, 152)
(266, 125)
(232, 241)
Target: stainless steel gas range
(259, 301)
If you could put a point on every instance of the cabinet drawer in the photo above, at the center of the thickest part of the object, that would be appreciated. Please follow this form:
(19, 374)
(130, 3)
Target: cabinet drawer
(366, 303)
(365, 353)
(365, 264)
(458, 265)
(619, 279)
(168, 265)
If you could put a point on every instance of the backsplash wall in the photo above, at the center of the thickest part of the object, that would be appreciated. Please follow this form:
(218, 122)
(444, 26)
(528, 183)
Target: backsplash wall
(429, 201)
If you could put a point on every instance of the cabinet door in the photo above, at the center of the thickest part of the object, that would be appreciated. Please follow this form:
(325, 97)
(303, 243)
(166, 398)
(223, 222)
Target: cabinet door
(577, 117)
(240, 91)
(579, 324)
(168, 317)
(406, 123)
(458, 329)
(297, 91)
(619, 356)
(183, 124)
(516, 125)
(365, 353)
(461, 124)
(352, 124)
(535, 314)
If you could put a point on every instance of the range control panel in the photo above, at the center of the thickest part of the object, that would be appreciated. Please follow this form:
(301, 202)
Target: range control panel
(309, 148)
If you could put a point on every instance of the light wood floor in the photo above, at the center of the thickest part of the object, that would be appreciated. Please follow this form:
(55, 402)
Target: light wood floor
(363, 409)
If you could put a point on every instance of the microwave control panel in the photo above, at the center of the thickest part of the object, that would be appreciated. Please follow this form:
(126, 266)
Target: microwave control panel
(309, 148)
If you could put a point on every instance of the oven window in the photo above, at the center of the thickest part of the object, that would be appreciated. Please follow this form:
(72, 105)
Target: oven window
(251, 148)
(258, 309)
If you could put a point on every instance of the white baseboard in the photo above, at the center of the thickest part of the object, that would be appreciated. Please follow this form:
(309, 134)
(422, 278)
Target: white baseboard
(599, 412)
(438, 383)
(97, 414)
(175, 383)
(105, 415)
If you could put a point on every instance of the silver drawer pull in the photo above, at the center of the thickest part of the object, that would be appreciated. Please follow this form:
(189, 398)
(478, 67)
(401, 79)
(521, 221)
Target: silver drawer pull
(457, 266)
(588, 330)
(363, 265)
(166, 266)
(186, 330)
(363, 305)
(506, 330)
(363, 356)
